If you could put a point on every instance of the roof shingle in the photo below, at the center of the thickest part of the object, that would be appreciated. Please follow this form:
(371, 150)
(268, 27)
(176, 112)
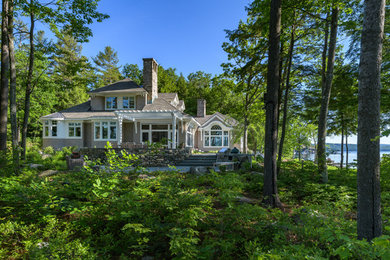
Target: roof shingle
(125, 85)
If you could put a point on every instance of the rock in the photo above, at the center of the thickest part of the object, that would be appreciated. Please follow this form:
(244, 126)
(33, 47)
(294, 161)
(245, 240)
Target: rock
(47, 173)
(35, 166)
(199, 170)
(145, 177)
(45, 156)
(243, 199)
(257, 173)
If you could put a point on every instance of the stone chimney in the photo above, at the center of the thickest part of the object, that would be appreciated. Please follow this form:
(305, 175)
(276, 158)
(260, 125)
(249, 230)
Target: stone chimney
(150, 77)
(201, 108)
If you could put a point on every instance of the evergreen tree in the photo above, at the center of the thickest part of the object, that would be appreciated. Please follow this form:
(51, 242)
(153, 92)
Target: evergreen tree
(72, 72)
(107, 66)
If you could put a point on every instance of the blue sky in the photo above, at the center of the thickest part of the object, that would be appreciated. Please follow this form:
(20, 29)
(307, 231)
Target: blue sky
(186, 35)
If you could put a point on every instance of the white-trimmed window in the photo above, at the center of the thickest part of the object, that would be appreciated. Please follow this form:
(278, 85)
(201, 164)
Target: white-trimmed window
(153, 133)
(111, 102)
(216, 137)
(74, 129)
(50, 128)
(190, 137)
(128, 102)
(105, 130)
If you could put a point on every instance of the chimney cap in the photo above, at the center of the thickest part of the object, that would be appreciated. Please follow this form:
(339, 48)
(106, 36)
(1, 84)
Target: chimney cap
(147, 59)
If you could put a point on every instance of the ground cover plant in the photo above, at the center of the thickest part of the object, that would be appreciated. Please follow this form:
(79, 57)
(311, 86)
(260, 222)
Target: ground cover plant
(126, 213)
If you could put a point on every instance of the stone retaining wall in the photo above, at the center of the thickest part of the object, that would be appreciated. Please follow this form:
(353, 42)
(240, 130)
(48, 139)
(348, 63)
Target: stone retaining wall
(146, 157)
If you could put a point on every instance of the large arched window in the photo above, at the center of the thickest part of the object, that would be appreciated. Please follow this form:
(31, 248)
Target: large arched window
(216, 137)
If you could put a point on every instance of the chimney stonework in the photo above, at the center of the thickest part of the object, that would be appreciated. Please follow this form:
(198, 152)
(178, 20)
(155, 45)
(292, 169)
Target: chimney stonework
(150, 77)
(201, 108)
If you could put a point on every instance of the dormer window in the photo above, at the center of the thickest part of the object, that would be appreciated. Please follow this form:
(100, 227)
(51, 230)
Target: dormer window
(128, 102)
(111, 102)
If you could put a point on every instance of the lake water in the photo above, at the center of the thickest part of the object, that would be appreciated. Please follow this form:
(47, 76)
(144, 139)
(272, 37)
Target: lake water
(352, 156)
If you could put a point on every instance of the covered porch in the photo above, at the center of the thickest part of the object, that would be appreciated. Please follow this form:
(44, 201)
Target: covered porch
(171, 129)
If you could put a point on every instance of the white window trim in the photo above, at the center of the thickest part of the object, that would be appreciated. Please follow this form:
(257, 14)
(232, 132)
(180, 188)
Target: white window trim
(81, 130)
(223, 129)
(135, 102)
(189, 132)
(50, 126)
(117, 103)
(101, 130)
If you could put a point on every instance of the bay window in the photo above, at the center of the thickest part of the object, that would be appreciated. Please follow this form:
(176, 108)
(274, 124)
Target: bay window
(216, 137)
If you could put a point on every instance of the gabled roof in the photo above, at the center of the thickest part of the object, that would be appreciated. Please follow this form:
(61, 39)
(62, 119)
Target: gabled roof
(204, 121)
(125, 85)
(159, 104)
(168, 96)
(81, 111)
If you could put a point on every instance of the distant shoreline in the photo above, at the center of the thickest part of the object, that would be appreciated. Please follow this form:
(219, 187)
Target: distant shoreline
(352, 147)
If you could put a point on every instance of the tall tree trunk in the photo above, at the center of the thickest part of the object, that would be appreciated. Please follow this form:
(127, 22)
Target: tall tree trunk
(245, 133)
(12, 96)
(346, 149)
(246, 122)
(4, 77)
(270, 191)
(27, 100)
(342, 146)
(369, 222)
(322, 168)
(285, 104)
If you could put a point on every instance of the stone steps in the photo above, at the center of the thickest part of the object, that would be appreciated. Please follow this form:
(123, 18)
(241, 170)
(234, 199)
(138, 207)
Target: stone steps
(199, 160)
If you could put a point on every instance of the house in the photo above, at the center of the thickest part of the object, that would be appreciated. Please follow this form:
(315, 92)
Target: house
(127, 115)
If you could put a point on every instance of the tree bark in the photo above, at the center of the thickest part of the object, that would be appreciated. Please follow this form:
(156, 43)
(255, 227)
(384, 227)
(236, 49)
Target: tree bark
(27, 100)
(322, 168)
(245, 133)
(342, 146)
(4, 77)
(270, 191)
(12, 96)
(346, 150)
(369, 222)
(285, 104)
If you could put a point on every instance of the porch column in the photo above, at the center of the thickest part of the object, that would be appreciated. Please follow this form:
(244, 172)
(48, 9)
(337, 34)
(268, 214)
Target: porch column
(120, 120)
(174, 131)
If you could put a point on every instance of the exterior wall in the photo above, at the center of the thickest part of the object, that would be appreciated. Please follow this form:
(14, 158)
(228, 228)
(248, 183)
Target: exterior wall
(59, 143)
(182, 136)
(128, 132)
(140, 102)
(102, 144)
(97, 103)
(87, 134)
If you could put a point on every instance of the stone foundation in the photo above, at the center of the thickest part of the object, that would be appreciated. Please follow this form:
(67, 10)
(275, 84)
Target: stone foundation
(146, 157)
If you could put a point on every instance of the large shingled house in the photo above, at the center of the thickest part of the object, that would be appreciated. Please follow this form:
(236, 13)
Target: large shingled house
(129, 115)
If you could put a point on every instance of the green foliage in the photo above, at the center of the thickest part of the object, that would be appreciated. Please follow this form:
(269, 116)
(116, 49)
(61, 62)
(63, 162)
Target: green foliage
(121, 211)
(107, 66)
(132, 71)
